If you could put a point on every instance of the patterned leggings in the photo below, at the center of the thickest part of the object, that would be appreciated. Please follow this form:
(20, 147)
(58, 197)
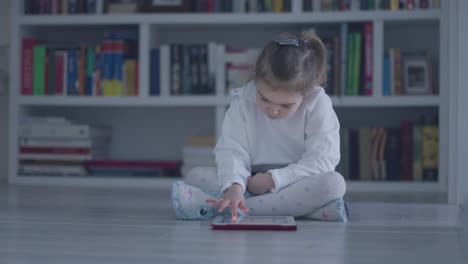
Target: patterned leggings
(297, 199)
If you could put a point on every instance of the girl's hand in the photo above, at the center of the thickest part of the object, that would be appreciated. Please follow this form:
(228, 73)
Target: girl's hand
(233, 197)
(261, 183)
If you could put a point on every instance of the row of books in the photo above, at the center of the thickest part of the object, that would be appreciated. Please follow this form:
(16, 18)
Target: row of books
(350, 60)
(204, 6)
(186, 69)
(407, 153)
(57, 146)
(40, 7)
(109, 68)
(343, 5)
(409, 73)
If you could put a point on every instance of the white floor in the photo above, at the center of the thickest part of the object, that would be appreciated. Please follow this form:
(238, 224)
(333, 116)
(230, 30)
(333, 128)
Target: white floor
(96, 225)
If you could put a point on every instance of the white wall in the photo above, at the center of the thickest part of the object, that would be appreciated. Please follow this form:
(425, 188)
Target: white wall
(4, 39)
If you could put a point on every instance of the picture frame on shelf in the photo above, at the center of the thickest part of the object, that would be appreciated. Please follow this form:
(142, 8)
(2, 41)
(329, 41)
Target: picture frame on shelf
(416, 76)
(161, 6)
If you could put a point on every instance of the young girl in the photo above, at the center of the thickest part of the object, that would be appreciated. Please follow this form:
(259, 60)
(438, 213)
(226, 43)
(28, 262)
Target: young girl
(279, 144)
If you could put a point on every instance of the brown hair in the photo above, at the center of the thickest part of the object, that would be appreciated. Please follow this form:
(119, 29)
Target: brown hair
(296, 67)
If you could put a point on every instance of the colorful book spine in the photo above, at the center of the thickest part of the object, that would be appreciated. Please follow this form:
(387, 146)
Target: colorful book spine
(27, 66)
(129, 77)
(89, 72)
(417, 153)
(386, 76)
(97, 73)
(51, 75)
(118, 64)
(155, 72)
(39, 69)
(107, 69)
(406, 150)
(72, 75)
(357, 63)
(60, 59)
(336, 66)
(430, 152)
(343, 57)
(46, 72)
(368, 59)
(350, 64)
(82, 70)
(393, 154)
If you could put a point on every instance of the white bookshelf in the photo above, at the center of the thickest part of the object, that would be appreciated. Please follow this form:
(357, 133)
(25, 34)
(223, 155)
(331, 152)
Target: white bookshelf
(184, 112)
(229, 19)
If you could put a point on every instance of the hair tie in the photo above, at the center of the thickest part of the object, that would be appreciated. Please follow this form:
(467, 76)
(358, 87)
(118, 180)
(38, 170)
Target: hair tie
(285, 39)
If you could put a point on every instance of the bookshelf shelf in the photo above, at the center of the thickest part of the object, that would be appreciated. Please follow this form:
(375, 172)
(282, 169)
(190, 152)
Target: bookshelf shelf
(234, 19)
(192, 100)
(155, 126)
(133, 101)
(385, 101)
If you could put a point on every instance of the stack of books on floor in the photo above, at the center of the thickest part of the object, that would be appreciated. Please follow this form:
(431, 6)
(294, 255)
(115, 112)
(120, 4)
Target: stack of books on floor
(56, 146)
(133, 168)
(198, 152)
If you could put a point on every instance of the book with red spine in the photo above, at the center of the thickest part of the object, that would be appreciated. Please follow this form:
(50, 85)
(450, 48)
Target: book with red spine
(27, 65)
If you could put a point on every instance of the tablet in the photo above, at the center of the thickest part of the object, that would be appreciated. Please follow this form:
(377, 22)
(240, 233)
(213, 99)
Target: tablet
(285, 223)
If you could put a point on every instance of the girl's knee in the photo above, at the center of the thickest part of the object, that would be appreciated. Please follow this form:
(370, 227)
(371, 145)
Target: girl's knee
(331, 183)
(335, 183)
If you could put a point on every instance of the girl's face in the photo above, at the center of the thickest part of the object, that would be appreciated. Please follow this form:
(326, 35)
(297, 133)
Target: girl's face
(277, 104)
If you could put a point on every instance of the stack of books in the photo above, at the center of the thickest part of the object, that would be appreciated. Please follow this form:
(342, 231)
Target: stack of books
(56, 146)
(198, 152)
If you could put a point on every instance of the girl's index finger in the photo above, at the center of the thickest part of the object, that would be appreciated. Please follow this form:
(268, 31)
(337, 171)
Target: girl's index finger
(234, 214)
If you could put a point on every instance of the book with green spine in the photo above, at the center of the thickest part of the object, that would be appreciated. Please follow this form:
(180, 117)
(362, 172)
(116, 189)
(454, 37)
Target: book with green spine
(39, 69)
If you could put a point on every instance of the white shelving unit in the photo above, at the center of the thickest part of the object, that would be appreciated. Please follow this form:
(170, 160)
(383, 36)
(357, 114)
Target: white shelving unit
(256, 29)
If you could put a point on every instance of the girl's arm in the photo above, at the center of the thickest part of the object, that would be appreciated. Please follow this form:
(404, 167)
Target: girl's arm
(322, 146)
(231, 151)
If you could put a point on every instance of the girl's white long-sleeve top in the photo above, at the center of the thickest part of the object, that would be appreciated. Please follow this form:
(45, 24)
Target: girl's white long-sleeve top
(304, 144)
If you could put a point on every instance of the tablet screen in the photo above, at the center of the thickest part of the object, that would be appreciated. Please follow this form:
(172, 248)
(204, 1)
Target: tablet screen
(267, 220)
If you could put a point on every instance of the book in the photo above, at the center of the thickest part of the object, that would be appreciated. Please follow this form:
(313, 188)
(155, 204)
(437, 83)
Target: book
(368, 59)
(39, 69)
(344, 58)
(430, 149)
(365, 154)
(417, 153)
(60, 69)
(406, 150)
(28, 65)
(393, 154)
(386, 76)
